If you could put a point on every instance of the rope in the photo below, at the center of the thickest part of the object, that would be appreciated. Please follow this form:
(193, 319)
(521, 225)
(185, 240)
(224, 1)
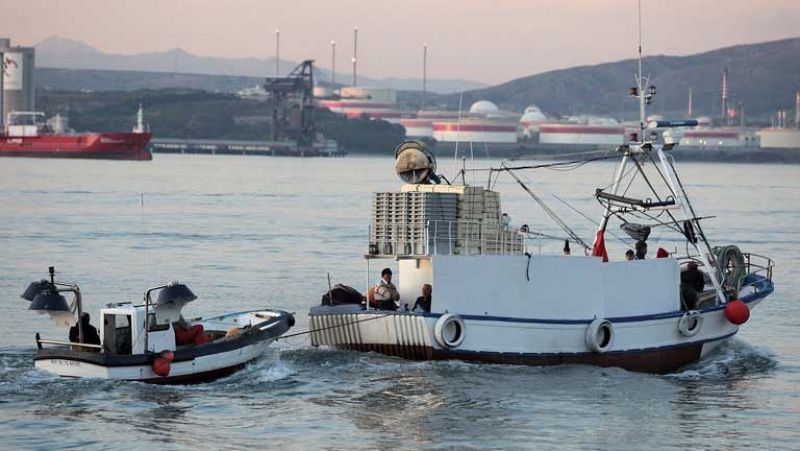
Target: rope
(548, 211)
(730, 266)
(572, 164)
(282, 337)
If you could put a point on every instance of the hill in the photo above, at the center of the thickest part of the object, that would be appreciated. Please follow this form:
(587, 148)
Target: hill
(764, 77)
(128, 80)
(63, 53)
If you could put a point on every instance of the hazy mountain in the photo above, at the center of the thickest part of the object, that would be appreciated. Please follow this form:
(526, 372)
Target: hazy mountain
(764, 77)
(62, 53)
(126, 80)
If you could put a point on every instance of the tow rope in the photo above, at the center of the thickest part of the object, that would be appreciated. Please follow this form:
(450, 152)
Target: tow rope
(333, 327)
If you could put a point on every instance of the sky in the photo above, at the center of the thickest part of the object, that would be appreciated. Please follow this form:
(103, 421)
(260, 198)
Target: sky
(488, 41)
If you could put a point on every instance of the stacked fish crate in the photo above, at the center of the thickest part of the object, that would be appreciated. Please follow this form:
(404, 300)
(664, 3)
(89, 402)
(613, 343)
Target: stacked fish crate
(477, 227)
(399, 221)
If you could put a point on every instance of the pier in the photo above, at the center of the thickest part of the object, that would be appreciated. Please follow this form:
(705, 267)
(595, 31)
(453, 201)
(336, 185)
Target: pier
(327, 148)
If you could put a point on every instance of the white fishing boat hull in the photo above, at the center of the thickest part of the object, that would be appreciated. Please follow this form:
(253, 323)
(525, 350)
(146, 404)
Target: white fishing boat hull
(651, 343)
(198, 369)
(191, 364)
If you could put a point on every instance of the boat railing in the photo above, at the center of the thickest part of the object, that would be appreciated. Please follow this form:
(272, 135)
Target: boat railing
(445, 237)
(758, 264)
(41, 341)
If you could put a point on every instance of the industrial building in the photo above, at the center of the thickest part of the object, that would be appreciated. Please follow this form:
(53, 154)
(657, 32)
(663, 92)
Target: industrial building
(583, 134)
(484, 122)
(355, 102)
(18, 89)
(475, 130)
(715, 138)
(531, 119)
(422, 125)
(780, 138)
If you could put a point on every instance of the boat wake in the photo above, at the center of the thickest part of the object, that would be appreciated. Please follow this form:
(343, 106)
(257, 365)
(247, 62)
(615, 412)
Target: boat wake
(734, 359)
(284, 367)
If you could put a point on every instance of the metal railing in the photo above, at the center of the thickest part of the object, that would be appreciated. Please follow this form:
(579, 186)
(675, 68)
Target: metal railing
(443, 237)
(754, 264)
(71, 344)
(758, 264)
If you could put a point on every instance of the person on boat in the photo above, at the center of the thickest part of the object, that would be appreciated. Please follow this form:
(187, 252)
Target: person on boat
(629, 254)
(423, 303)
(662, 253)
(693, 276)
(386, 294)
(641, 250)
(566, 249)
(90, 335)
(692, 283)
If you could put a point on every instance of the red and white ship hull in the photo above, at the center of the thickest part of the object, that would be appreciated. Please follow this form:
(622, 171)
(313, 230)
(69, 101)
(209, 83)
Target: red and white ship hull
(109, 146)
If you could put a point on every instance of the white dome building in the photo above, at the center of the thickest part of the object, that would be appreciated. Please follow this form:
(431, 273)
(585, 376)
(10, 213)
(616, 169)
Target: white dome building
(531, 118)
(483, 108)
(533, 113)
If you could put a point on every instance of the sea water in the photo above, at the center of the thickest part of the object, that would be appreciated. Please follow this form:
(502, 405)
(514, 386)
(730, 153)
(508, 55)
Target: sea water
(253, 232)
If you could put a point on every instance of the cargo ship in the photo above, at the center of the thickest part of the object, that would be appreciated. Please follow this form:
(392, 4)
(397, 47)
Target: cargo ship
(29, 134)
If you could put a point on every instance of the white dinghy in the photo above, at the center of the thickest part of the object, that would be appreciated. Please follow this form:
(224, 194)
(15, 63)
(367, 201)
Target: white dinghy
(150, 342)
(495, 301)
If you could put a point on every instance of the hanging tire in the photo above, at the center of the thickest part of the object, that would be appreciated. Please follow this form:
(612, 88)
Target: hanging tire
(600, 335)
(449, 331)
(690, 323)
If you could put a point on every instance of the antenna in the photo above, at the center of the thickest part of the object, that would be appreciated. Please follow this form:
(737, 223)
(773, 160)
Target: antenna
(424, 75)
(458, 133)
(724, 96)
(333, 64)
(355, 54)
(277, 52)
(639, 78)
(689, 115)
(643, 90)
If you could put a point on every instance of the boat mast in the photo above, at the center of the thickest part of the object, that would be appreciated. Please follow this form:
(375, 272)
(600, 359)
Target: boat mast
(669, 172)
(639, 80)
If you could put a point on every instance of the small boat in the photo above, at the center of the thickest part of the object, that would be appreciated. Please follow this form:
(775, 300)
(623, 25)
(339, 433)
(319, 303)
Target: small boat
(496, 299)
(150, 342)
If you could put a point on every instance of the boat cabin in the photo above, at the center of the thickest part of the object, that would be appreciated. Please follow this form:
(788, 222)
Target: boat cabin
(122, 329)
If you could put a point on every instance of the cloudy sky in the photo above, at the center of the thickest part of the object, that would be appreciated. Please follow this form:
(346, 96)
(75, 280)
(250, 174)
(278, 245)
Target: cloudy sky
(490, 41)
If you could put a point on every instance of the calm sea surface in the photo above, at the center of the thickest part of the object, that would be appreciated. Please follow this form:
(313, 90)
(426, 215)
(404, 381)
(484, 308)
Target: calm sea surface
(250, 232)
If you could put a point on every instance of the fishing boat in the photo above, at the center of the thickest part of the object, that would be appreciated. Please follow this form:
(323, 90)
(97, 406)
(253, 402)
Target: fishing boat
(149, 342)
(495, 299)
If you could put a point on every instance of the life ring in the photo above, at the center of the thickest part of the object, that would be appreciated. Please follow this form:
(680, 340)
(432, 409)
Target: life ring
(690, 323)
(449, 331)
(600, 335)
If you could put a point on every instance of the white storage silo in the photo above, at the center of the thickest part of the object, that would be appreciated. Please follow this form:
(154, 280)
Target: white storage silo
(18, 78)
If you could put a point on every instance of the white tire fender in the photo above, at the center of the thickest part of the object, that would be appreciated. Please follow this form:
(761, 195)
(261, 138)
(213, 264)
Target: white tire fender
(690, 323)
(600, 335)
(449, 331)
